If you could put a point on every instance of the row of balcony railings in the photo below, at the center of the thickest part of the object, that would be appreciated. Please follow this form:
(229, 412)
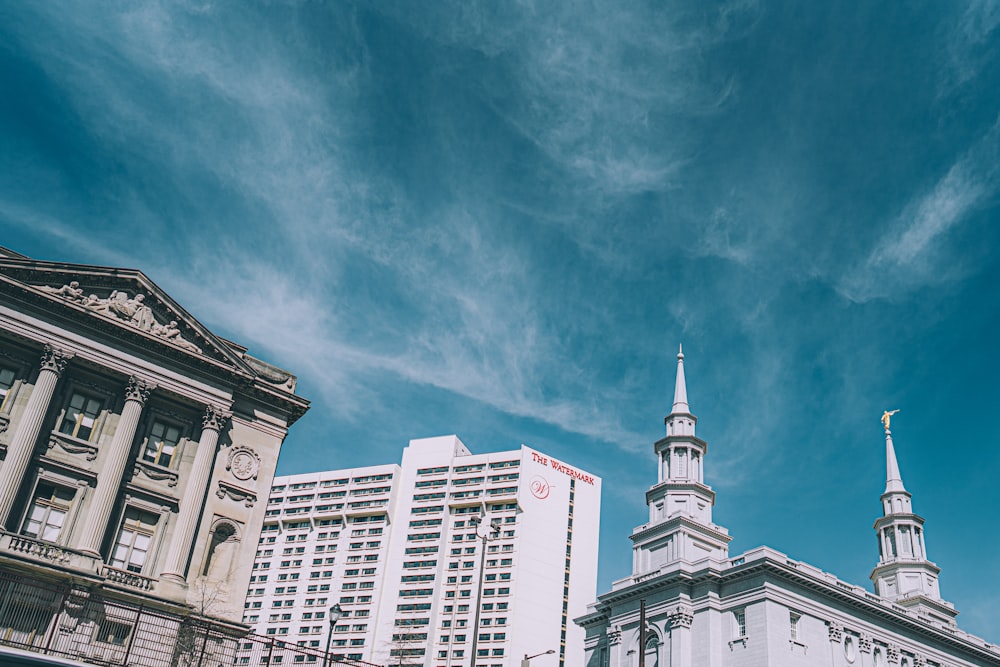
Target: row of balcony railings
(73, 622)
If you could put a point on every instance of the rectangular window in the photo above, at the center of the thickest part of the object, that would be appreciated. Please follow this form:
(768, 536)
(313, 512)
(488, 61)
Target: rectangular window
(48, 512)
(739, 623)
(7, 378)
(161, 443)
(81, 415)
(134, 538)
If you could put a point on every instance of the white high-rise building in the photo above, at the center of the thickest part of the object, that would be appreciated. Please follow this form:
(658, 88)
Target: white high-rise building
(416, 554)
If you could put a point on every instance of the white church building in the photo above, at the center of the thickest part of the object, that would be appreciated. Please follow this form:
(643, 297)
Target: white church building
(689, 603)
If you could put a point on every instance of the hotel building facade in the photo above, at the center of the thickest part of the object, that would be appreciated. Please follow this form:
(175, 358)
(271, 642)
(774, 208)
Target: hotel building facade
(448, 557)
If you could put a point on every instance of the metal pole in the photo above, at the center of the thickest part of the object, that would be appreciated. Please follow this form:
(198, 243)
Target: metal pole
(326, 656)
(479, 599)
(135, 631)
(642, 632)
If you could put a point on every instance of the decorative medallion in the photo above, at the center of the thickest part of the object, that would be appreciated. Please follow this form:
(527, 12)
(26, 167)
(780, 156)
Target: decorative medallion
(539, 487)
(243, 462)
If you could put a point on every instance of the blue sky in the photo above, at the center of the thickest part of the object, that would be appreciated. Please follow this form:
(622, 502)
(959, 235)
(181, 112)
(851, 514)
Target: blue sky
(498, 220)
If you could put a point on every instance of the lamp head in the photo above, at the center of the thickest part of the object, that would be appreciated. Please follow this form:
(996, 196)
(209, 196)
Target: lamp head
(335, 614)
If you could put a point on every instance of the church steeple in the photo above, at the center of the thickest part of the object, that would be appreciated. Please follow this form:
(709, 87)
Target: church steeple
(904, 574)
(680, 528)
(680, 385)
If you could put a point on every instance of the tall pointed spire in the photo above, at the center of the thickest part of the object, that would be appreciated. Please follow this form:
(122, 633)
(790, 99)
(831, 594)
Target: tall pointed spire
(904, 573)
(893, 480)
(680, 385)
(680, 530)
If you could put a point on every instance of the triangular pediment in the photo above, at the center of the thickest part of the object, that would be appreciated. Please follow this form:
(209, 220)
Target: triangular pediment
(123, 300)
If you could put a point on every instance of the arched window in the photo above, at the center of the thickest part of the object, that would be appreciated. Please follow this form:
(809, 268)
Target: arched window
(652, 649)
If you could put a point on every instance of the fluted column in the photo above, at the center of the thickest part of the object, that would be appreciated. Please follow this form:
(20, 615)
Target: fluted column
(109, 477)
(194, 495)
(22, 442)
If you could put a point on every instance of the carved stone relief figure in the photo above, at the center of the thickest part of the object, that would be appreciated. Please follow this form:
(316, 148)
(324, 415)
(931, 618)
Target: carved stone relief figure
(133, 310)
(71, 291)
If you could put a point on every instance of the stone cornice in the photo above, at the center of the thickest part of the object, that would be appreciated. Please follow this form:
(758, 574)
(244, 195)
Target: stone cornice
(261, 382)
(676, 521)
(884, 521)
(666, 486)
(671, 439)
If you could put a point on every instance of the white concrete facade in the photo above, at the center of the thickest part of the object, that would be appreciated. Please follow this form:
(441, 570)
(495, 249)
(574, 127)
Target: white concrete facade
(407, 568)
(704, 608)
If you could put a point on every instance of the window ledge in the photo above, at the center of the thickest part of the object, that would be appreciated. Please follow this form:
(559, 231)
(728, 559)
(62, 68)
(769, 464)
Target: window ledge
(738, 640)
(72, 445)
(795, 646)
(155, 472)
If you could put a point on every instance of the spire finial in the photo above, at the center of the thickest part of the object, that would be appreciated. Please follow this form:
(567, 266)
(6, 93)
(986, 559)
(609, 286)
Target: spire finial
(680, 387)
(893, 480)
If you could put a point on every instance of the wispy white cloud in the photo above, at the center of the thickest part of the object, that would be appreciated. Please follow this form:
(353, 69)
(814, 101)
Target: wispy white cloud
(915, 250)
(971, 45)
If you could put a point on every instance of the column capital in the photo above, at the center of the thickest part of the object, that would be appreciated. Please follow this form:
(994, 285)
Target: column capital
(835, 632)
(680, 616)
(138, 389)
(54, 359)
(215, 418)
(865, 643)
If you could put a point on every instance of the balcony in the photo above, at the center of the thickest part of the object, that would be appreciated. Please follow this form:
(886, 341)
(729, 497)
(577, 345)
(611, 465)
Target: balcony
(126, 578)
(46, 553)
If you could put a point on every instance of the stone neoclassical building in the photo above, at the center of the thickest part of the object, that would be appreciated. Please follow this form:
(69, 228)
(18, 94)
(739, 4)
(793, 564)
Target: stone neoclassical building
(137, 450)
(701, 607)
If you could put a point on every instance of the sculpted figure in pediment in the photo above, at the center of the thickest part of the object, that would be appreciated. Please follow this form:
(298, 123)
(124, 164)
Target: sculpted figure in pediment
(71, 291)
(173, 334)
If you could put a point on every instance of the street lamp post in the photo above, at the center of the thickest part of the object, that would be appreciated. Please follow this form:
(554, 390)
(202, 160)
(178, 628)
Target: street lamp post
(335, 614)
(492, 532)
(527, 658)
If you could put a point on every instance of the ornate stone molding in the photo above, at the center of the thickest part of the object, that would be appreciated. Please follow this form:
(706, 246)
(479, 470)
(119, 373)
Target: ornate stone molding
(138, 389)
(919, 661)
(54, 359)
(155, 472)
(215, 418)
(72, 445)
(834, 632)
(237, 493)
(892, 654)
(131, 310)
(680, 616)
(243, 463)
(615, 635)
(865, 643)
